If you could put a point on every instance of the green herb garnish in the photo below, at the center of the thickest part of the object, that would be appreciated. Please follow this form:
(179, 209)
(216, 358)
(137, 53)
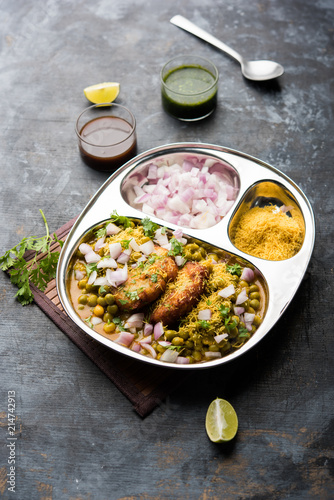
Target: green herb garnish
(40, 272)
(154, 278)
(88, 321)
(92, 266)
(118, 323)
(176, 247)
(243, 332)
(235, 269)
(149, 227)
(120, 219)
(100, 233)
(204, 324)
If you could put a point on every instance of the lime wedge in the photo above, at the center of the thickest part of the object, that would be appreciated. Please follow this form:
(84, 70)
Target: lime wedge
(102, 92)
(221, 421)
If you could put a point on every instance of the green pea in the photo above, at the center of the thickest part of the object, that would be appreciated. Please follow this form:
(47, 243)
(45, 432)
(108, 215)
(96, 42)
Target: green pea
(92, 300)
(257, 320)
(243, 284)
(110, 299)
(189, 344)
(101, 301)
(214, 348)
(107, 317)
(170, 334)
(253, 288)
(89, 288)
(183, 335)
(109, 327)
(197, 356)
(82, 283)
(254, 295)
(160, 348)
(83, 299)
(177, 341)
(236, 319)
(255, 304)
(112, 309)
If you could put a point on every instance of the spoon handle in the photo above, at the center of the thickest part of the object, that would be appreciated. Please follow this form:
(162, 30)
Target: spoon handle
(183, 23)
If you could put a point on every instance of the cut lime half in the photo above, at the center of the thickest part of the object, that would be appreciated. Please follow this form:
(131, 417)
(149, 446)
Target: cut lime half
(221, 421)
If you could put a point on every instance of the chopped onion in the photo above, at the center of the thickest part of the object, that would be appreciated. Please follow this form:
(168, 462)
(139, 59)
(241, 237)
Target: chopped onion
(102, 281)
(146, 340)
(104, 263)
(212, 355)
(150, 349)
(136, 347)
(99, 244)
(247, 274)
(180, 260)
(182, 360)
(135, 320)
(115, 250)
(91, 257)
(158, 330)
(117, 277)
(148, 329)
(85, 248)
(204, 314)
(242, 297)
(112, 229)
(219, 338)
(238, 310)
(169, 356)
(78, 275)
(134, 245)
(147, 247)
(125, 338)
(96, 320)
(164, 343)
(249, 317)
(286, 209)
(123, 258)
(227, 291)
(92, 278)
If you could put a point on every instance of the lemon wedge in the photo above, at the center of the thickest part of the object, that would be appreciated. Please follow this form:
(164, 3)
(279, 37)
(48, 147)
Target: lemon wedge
(221, 421)
(102, 92)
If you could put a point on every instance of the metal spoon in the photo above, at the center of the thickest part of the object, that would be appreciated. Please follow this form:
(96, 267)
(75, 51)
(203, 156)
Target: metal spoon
(253, 70)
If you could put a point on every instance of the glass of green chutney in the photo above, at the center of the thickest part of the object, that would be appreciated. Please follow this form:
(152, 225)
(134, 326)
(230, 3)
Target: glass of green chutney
(189, 86)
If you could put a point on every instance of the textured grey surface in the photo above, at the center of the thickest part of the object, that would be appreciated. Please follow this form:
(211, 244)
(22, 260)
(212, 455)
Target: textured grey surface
(78, 436)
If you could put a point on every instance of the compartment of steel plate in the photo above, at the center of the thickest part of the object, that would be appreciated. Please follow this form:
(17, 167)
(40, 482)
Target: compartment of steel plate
(209, 242)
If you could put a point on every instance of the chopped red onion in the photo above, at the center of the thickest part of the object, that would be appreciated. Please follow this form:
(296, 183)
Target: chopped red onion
(106, 262)
(85, 248)
(91, 257)
(227, 291)
(115, 250)
(148, 329)
(242, 297)
(96, 320)
(238, 310)
(112, 229)
(169, 356)
(146, 340)
(92, 278)
(78, 275)
(117, 277)
(125, 338)
(158, 330)
(123, 258)
(150, 349)
(134, 245)
(136, 347)
(102, 281)
(179, 260)
(99, 244)
(219, 338)
(147, 247)
(286, 209)
(249, 317)
(164, 343)
(247, 274)
(135, 320)
(212, 355)
(182, 360)
(204, 314)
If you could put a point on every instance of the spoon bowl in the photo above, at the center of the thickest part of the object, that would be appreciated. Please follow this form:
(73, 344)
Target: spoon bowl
(252, 70)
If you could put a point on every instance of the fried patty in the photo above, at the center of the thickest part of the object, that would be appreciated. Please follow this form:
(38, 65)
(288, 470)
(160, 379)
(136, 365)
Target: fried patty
(147, 281)
(181, 295)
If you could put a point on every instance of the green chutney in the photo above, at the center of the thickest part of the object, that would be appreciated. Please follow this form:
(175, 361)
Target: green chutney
(189, 92)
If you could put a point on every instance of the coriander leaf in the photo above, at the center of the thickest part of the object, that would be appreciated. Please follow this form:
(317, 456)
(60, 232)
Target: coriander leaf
(100, 233)
(176, 247)
(92, 266)
(149, 227)
(154, 278)
(235, 269)
(203, 323)
(224, 310)
(120, 219)
(243, 332)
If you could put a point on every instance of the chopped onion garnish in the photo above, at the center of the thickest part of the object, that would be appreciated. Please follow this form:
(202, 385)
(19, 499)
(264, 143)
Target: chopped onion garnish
(249, 317)
(112, 229)
(78, 275)
(227, 291)
(106, 262)
(147, 247)
(125, 338)
(99, 244)
(123, 258)
(92, 278)
(96, 320)
(247, 274)
(180, 260)
(158, 330)
(91, 257)
(204, 314)
(146, 340)
(148, 329)
(182, 360)
(164, 343)
(150, 349)
(136, 347)
(119, 276)
(169, 356)
(219, 338)
(135, 320)
(134, 245)
(115, 250)
(211, 355)
(238, 310)
(242, 297)
(85, 248)
(102, 281)
(286, 209)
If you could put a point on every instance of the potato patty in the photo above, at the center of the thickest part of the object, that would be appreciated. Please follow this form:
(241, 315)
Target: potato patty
(181, 295)
(147, 281)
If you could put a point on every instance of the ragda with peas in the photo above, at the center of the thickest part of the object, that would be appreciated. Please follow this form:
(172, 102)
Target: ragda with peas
(162, 294)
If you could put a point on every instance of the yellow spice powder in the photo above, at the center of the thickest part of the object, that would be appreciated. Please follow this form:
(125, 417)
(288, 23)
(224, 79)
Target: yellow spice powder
(269, 233)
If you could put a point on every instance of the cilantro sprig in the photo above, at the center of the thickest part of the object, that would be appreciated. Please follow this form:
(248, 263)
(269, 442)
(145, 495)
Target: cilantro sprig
(149, 227)
(39, 272)
(234, 269)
